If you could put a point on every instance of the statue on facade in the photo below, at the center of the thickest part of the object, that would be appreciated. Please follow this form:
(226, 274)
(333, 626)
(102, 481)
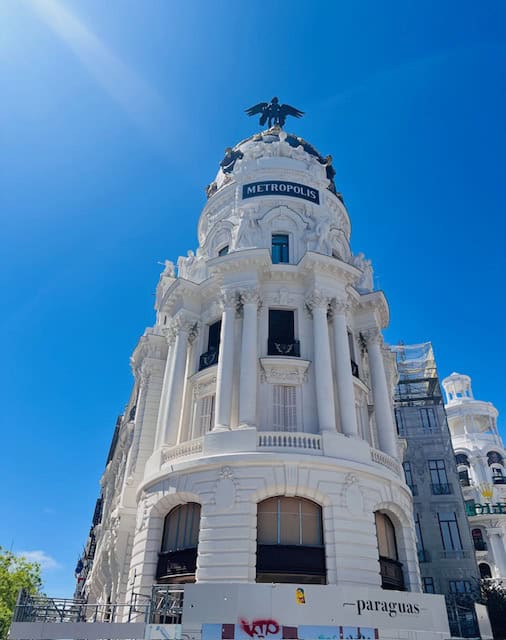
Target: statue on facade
(230, 158)
(211, 189)
(273, 113)
(169, 270)
(365, 283)
(246, 233)
(184, 264)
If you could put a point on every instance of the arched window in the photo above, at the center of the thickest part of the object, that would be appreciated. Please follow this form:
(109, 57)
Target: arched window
(290, 541)
(390, 567)
(493, 457)
(485, 571)
(479, 542)
(178, 556)
(461, 459)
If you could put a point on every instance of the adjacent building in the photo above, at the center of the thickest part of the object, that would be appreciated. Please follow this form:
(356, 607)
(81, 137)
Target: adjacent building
(480, 456)
(444, 543)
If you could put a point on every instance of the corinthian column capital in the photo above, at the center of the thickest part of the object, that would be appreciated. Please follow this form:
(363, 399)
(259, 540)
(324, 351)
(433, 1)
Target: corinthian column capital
(228, 299)
(317, 300)
(372, 335)
(184, 323)
(339, 307)
(250, 296)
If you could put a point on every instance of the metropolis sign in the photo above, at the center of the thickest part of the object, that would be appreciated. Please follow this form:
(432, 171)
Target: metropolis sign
(280, 187)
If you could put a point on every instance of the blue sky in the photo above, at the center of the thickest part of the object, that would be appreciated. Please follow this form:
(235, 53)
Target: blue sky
(113, 118)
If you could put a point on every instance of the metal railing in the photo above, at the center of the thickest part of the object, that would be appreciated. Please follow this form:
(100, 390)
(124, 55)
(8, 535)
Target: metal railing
(208, 359)
(163, 606)
(63, 610)
(276, 348)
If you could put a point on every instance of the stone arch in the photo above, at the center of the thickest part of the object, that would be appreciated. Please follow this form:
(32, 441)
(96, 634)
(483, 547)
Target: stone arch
(219, 236)
(405, 540)
(283, 219)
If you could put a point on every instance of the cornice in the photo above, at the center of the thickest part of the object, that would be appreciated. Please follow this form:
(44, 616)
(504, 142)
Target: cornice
(254, 259)
(319, 264)
(375, 301)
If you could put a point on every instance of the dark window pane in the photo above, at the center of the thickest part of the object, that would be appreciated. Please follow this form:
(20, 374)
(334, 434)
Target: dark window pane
(223, 251)
(279, 248)
(213, 342)
(281, 326)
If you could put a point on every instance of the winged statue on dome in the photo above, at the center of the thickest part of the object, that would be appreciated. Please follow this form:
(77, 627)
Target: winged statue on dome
(273, 113)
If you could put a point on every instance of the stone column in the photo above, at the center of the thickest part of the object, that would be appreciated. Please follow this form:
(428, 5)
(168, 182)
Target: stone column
(249, 359)
(497, 541)
(225, 373)
(182, 328)
(387, 436)
(318, 304)
(345, 388)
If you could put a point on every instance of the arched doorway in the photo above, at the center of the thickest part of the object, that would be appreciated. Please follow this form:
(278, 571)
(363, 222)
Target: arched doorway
(390, 567)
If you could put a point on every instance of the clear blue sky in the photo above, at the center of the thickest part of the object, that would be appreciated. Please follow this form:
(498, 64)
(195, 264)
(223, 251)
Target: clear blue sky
(114, 116)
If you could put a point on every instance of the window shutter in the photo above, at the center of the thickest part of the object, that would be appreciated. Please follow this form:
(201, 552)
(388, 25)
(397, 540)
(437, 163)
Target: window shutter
(284, 415)
(206, 417)
(278, 407)
(290, 409)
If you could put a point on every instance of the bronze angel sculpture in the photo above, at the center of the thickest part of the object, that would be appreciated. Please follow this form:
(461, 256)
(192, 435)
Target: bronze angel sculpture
(274, 113)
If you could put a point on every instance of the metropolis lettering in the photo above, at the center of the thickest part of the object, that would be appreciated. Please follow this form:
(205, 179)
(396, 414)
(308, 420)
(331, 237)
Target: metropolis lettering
(277, 187)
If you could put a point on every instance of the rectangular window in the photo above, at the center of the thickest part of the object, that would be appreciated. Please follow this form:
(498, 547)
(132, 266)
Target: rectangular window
(282, 333)
(284, 415)
(279, 248)
(400, 422)
(408, 475)
(460, 586)
(427, 418)
(449, 529)
(418, 531)
(213, 340)
(428, 585)
(438, 472)
(206, 414)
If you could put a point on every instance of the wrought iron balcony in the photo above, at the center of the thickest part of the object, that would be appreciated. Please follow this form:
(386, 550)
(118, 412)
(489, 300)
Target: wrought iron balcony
(391, 574)
(441, 489)
(354, 369)
(176, 563)
(499, 479)
(465, 482)
(276, 348)
(480, 545)
(208, 358)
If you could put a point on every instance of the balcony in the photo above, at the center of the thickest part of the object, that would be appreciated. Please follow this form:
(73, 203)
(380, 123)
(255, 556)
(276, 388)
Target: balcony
(304, 563)
(465, 482)
(275, 348)
(208, 358)
(499, 480)
(391, 574)
(354, 369)
(480, 545)
(175, 565)
(441, 489)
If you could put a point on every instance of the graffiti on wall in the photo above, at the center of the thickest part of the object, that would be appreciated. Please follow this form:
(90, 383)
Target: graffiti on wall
(268, 629)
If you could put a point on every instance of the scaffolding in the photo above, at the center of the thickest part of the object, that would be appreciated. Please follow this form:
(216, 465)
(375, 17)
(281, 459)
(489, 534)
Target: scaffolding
(418, 380)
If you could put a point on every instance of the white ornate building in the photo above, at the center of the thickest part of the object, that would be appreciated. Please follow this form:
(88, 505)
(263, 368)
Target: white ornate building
(259, 443)
(480, 456)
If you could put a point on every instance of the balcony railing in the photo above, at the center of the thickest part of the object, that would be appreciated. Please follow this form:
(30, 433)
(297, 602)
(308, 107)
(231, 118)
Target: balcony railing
(354, 369)
(208, 358)
(498, 479)
(177, 563)
(391, 574)
(441, 489)
(465, 482)
(480, 545)
(290, 440)
(276, 348)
